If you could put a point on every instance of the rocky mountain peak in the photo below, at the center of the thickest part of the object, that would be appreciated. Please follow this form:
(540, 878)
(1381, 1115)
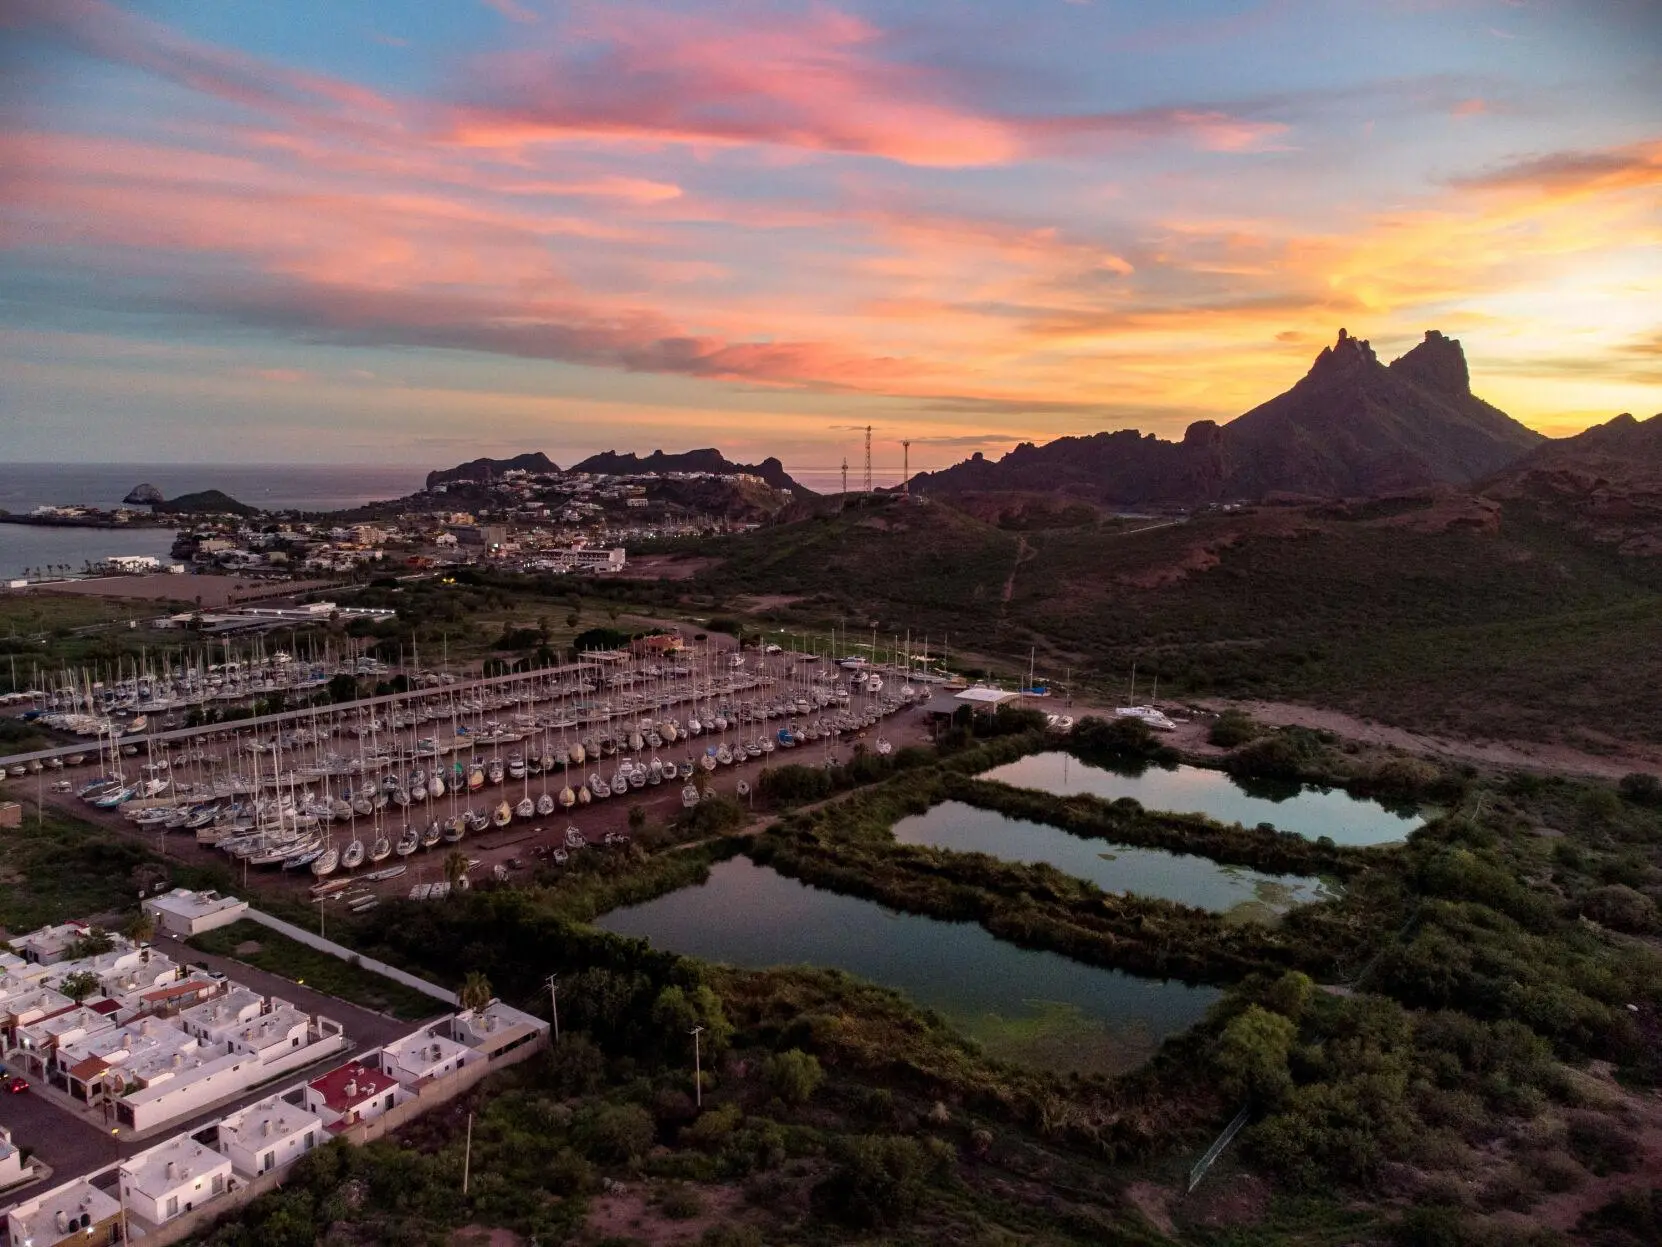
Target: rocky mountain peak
(1345, 357)
(1436, 364)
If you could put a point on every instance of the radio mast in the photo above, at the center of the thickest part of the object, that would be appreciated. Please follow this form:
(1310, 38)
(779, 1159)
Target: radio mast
(906, 468)
(868, 458)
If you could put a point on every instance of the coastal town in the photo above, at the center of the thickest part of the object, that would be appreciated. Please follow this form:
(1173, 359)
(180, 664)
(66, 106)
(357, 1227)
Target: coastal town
(544, 521)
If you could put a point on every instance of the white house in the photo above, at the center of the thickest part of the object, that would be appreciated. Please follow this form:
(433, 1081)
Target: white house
(418, 1059)
(173, 1178)
(76, 1211)
(497, 1028)
(185, 913)
(11, 1161)
(216, 1020)
(269, 1134)
(353, 1093)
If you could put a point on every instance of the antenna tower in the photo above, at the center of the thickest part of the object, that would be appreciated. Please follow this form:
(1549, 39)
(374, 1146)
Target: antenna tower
(906, 468)
(868, 458)
(845, 474)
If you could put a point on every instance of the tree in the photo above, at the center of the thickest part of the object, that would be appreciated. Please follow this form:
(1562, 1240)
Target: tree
(141, 927)
(637, 818)
(1252, 1053)
(455, 869)
(95, 942)
(476, 991)
(794, 1076)
(343, 687)
(79, 986)
(680, 1011)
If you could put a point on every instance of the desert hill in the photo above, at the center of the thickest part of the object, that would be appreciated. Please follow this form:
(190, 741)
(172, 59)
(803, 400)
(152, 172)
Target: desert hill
(1605, 483)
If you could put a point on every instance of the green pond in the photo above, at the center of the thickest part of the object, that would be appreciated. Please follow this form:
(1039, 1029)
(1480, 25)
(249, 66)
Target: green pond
(1020, 1004)
(1302, 809)
(1248, 894)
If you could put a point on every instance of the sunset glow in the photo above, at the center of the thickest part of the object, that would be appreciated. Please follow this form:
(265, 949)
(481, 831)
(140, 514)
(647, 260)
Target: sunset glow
(446, 230)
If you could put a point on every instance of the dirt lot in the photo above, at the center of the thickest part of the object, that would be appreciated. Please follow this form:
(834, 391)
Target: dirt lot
(212, 591)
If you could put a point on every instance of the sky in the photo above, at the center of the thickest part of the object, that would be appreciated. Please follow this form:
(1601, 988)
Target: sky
(356, 231)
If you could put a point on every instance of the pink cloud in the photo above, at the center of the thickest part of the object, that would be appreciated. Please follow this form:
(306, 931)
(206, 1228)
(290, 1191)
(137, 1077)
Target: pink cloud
(815, 80)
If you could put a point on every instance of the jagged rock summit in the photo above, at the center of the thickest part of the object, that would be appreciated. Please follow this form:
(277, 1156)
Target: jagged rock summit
(143, 496)
(611, 463)
(1351, 426)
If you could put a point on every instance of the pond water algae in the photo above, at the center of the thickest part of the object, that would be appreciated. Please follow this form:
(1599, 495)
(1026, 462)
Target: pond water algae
(1022, 1004)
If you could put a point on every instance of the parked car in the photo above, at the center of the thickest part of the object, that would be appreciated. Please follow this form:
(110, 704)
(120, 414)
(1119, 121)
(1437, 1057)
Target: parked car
(17, 1086)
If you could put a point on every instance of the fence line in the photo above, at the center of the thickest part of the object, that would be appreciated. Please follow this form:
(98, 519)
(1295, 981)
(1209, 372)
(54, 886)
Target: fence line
(312, 940)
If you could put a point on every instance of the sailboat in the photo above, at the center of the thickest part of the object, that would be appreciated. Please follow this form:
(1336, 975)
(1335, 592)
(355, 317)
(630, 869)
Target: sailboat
(353, 857)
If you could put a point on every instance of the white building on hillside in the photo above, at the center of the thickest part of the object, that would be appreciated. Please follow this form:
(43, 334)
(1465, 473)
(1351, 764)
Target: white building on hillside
(173, 1178)
(185, 913)
(269, 1134)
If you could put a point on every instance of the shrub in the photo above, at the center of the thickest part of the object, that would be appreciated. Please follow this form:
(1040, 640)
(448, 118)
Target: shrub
(794, 1076)
(680, 1202)
(1232, 729)
(1601, 1144)
(877, 1181)
(618, 1133)
(713, 1127)
(1620, 908)
(1641, 788)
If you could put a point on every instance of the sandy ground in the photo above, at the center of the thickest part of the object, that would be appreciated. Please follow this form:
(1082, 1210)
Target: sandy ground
(1503, 754)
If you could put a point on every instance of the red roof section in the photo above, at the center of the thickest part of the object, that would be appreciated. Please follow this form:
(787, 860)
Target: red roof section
(370, 1083)
(105, 1006)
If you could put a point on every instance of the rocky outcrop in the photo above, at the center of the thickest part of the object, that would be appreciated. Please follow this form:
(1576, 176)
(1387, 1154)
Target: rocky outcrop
(610, 463)
(487, 469)
(143, 496)
(1605, 483)
(1350, 427)
(205, 502)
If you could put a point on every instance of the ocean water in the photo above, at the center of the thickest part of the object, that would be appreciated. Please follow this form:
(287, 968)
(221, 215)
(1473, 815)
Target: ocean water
(24, 486)
(23, 546)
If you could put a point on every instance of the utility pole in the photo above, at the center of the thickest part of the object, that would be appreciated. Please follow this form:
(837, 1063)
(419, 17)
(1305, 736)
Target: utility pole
(906, 468)
(698, 1069)
(554, 1002)
(868, 458)
(467, 1155)
(845, 490)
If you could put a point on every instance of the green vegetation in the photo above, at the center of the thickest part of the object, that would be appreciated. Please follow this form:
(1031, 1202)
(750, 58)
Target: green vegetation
(58, 869)
(1432, 623)
(278, 954)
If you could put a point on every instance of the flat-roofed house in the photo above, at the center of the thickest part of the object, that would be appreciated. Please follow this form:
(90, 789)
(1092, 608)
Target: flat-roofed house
(353, 1093)
(269, 1134)
(173, 1178)
(75, 1212)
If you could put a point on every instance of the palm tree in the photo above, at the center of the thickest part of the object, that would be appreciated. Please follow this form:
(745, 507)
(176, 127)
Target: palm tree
(79, 986)
(455, 868)
(141, 929)
(476, 991)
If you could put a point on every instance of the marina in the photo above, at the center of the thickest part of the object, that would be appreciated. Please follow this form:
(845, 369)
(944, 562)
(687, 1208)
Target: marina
(339, 786)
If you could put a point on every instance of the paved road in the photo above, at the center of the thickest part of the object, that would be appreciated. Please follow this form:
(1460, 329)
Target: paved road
(363, 1026)
(62, 1140)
